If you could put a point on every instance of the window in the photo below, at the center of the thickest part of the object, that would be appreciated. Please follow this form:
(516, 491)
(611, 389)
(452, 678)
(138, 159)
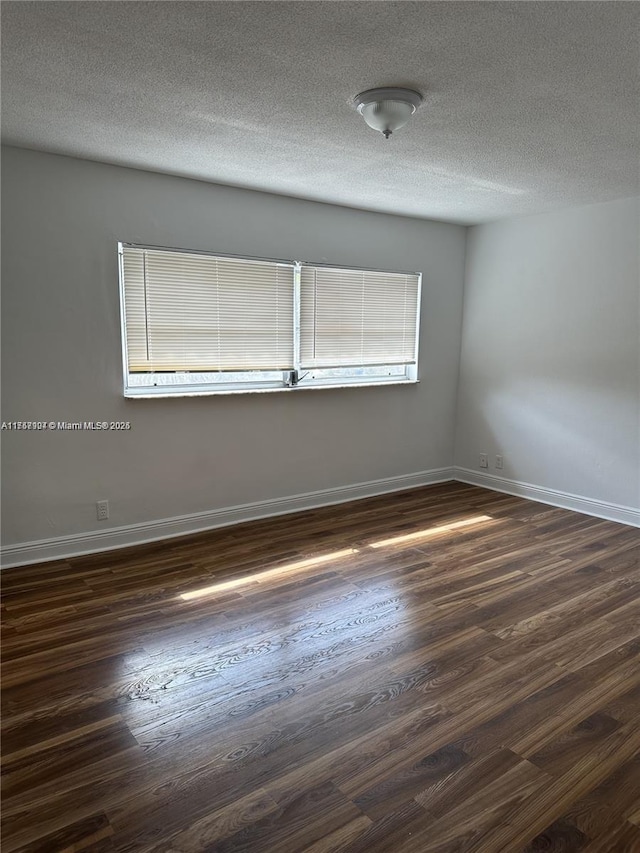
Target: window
(198, 323)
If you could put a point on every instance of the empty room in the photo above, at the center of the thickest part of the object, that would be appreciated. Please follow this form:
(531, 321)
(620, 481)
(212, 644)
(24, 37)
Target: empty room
(320, 427)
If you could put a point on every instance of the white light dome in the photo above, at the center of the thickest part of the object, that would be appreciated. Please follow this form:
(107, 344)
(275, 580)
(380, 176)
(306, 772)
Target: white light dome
(387, 109)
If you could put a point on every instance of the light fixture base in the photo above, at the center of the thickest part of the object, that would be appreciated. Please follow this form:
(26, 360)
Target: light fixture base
(388, 93)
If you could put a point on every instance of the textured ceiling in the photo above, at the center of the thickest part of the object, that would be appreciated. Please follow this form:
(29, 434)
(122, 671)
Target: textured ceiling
(528, 106)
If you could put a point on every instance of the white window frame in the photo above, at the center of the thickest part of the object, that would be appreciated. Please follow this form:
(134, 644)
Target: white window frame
(295, 380)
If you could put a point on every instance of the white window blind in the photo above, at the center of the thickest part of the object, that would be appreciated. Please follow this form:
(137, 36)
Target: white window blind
(197, 312)
(200, 323)
(356, 318)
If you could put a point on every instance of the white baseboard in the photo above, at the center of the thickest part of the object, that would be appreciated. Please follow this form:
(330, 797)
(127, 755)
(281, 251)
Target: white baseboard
(566, 500)
(75, 545)
(62, 547)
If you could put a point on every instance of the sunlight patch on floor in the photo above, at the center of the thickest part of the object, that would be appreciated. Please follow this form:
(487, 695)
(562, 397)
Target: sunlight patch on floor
(291, 568)
(430, 531)
(269, 574)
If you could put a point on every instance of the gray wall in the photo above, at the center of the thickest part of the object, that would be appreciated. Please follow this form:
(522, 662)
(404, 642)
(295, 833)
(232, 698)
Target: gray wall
(550, 359)
(62, 358)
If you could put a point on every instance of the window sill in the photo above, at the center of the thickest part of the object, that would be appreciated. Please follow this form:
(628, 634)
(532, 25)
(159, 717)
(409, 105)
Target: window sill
(153, 394)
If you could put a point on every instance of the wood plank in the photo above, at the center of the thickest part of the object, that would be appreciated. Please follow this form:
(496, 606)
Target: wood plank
(624, 838)
(551, 801)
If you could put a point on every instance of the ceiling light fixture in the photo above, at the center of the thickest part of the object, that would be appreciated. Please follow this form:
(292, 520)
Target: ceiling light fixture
(387, 109)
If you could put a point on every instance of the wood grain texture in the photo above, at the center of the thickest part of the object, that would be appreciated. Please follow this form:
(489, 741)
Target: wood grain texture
(442, 670)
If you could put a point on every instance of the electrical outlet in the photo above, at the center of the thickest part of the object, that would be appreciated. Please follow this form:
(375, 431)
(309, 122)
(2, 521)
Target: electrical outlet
(484, 460)
(499, 461)
(102, 510)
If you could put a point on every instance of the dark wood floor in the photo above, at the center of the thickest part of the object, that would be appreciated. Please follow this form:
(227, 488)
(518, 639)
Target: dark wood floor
(445, 669)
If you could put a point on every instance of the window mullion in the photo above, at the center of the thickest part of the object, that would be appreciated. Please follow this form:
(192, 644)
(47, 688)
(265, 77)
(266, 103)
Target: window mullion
(296, 317)
(417, 330)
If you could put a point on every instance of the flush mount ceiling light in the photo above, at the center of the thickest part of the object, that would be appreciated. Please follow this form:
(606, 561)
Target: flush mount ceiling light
(387, 109)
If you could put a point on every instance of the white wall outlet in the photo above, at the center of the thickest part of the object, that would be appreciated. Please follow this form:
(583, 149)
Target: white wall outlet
(499, 461)
(484, 460)
(102, 510)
